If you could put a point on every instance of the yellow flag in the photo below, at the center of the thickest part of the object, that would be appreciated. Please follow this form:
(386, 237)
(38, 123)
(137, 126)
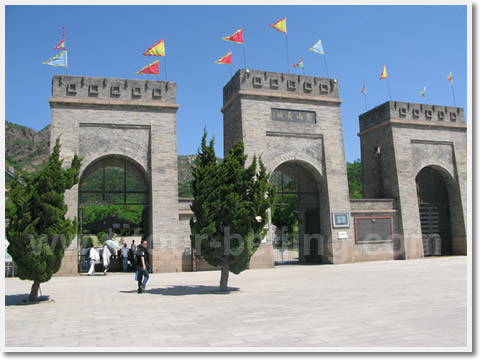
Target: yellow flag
(280, 25)
(156, 50)
(383, 75)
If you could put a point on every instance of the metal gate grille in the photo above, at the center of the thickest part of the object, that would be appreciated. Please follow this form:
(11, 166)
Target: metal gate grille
(283, 252)
(430, 223)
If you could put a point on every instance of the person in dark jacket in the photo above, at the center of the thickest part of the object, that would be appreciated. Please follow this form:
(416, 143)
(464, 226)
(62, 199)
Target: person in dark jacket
(143, 264)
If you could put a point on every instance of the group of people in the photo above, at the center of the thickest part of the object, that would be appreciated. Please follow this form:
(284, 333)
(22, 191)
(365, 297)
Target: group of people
(138, 255)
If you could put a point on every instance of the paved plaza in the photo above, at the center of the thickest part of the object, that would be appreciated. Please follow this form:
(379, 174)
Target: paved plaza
(414, 303)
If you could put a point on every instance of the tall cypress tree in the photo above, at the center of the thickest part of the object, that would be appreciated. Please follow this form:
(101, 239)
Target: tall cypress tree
(230, 207)
(38, 231)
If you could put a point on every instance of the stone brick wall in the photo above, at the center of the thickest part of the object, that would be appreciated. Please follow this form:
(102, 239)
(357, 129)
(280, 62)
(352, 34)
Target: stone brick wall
(389, 248)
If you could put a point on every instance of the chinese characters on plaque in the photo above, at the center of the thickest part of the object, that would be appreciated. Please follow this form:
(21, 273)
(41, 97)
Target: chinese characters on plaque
(293, 115)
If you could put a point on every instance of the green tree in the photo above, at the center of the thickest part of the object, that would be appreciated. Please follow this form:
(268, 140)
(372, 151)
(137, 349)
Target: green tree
(184, 189)
(38, 231)
(354, 175)
(230, 208)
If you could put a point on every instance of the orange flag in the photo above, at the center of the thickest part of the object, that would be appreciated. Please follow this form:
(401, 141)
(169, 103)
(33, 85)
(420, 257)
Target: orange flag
(383, 75)
(450, 78)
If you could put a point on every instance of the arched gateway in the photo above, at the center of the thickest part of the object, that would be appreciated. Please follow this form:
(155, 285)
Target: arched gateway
(128, 126)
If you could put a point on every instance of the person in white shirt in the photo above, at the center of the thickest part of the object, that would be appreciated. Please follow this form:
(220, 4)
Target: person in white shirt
(125, 251)
(106, 255)
(94, 257)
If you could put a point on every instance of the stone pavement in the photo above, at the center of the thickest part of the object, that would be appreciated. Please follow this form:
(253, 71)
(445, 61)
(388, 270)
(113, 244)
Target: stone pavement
(415, 303)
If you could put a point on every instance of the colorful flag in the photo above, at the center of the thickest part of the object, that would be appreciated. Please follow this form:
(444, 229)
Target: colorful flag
(236, 38)
(156, 50)
(151, 69)
(227, 59)
(61, 44)
(383, 75)
(422, 93)
(299, 64)
(280, 25)
(317, 47)
(450, 78)
(364, 89)
(58, 60)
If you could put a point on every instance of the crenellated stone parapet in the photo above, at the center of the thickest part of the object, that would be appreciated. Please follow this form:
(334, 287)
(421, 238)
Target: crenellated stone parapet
(112, 91)
(271, 84)
(424, 114)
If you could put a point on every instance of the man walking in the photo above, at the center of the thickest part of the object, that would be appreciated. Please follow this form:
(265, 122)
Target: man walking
(142, 266)
(125, 251)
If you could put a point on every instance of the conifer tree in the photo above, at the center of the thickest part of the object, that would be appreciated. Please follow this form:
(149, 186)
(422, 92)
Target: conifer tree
(230, 208)
(38, 231)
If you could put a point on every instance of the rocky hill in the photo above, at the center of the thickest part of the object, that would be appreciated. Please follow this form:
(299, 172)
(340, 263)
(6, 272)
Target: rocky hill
(25, 148)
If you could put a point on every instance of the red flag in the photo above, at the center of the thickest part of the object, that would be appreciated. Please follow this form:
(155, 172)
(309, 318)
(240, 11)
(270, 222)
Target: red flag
(236, 38)
(227, 59)
(151, 69)
(61, 43)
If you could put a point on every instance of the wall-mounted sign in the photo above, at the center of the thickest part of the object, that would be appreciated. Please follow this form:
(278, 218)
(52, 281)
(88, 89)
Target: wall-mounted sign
(341, 220)
(373, 228)
(294, 116)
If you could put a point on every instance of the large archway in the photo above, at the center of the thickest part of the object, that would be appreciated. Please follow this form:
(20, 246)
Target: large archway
(114, 200)
(434, 202)
(297, 213)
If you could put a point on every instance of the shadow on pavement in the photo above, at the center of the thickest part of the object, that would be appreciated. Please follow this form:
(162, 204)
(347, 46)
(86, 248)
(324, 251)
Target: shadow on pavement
(180, 290)
(22, 299)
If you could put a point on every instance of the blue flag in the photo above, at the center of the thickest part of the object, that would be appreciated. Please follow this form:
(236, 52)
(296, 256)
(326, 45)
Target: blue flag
(58, 60)
(318, 48)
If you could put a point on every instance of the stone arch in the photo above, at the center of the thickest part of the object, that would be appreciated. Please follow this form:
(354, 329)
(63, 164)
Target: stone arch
(309, 162)
(131, 186)
(439, 199)
(312, 207)
(92, 163)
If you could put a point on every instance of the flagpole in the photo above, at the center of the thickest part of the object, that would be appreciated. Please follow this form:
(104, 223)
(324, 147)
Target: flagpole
(243, 46)
(66, 52)
(166, 68)
(453, 93)
(365, 98)
(288, 62)
(244, 61)
(388, 85)
(325, 61)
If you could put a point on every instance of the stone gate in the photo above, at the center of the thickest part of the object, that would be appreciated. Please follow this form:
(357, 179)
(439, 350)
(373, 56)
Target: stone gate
(107, 121)
(414, 161)
(294, 123)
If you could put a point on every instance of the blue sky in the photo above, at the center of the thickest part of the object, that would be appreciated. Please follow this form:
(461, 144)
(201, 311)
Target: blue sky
(419, 45)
